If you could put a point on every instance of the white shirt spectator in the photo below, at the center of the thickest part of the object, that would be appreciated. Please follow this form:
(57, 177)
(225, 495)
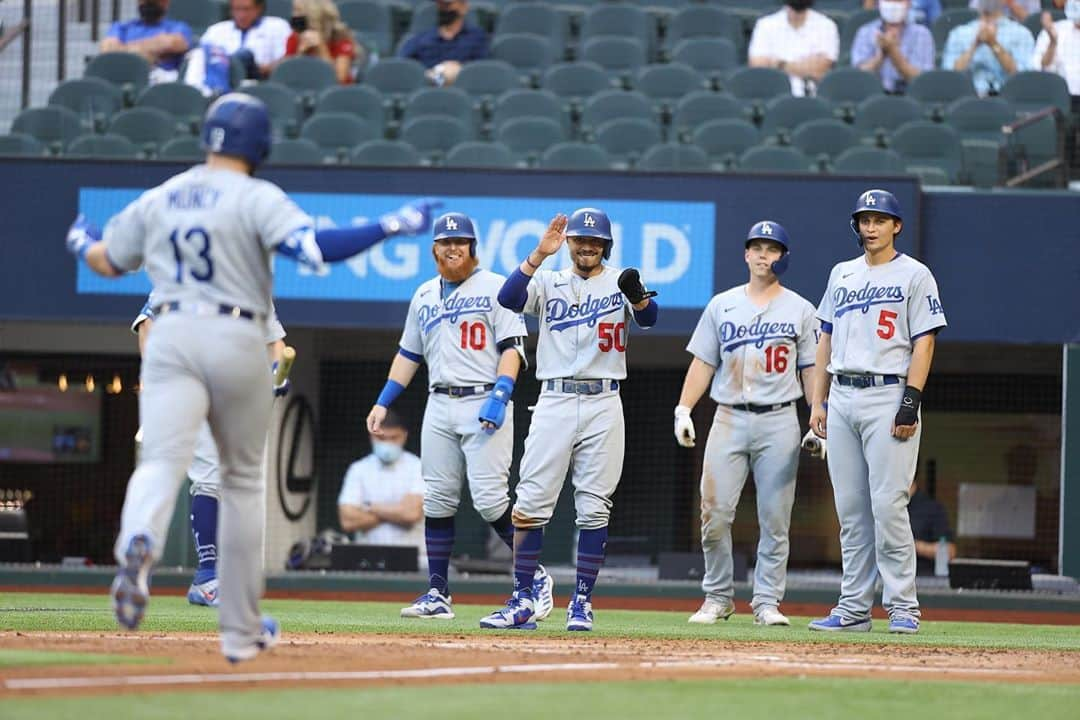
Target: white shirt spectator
(1066, 61)
(775, 37)
(369, 480)
(265, 39)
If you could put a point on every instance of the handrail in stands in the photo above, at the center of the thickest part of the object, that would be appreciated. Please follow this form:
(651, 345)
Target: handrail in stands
(1029, 173)
(22, 28)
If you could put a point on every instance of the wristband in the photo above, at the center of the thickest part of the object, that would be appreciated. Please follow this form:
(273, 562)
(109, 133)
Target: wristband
(528, 261)
(390, 393)
(504, 388)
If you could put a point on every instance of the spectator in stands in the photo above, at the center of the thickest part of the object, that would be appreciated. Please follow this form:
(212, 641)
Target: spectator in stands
(1018, 10)
(929, 523)
(924, 12)
(319, 32)
(991, 48)
(796, 40)
(443, 49)
(160, 40)
(256, 39)
(894, 48)
(1058, 48)
(382, 496)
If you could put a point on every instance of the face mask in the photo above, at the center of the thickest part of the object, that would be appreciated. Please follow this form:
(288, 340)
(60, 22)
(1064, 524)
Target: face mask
(298, 23)
(799, 5)
(387, 452)
(448, 17)
(1072, 10)
(892, 12)
(150, 12)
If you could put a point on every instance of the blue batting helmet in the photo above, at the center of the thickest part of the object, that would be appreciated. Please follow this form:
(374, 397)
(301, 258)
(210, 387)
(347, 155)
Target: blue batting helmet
(455, 225)
(238, 124)
(769, 230)
(879, 201)
(591, 223)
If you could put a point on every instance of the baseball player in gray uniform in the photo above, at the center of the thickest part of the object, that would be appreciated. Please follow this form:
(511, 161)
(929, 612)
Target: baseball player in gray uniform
(880, 316)
(205, 237)
(753, 342)
(584, 313)
(204, 471)
(474, 349)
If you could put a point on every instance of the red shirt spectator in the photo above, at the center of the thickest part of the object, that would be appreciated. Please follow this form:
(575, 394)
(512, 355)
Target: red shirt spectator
(319, 32)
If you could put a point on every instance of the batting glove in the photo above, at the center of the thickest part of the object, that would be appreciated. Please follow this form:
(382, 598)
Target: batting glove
(81, 235)
(631, 286)
(494, 410)
(411, 219)
(813, 444)
(684, 427)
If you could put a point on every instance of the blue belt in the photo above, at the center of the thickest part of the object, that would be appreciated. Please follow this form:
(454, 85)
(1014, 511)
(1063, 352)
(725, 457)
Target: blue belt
(198, 308)
(582, 387)
(759, 409)
(462, 391)
(865, 381)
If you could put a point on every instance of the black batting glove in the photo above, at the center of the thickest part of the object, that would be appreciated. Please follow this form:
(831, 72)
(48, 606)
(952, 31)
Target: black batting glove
(908, 414)
(632, 287)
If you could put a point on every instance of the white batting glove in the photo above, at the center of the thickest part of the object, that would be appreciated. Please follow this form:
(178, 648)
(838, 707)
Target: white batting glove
(684, 427)
(813, 444)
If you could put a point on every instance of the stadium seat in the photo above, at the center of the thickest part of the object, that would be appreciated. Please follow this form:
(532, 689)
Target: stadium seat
(674, 156)
(868, 161)
(615, 104)
(305, 75)
(391, 153)
(54, 127)
(337, 133)
(926, 144)
(528, 138)
(724, 141)
(575, 81)
(767, 158)
(529, 54)
(102, 146)
(91, 98)
(434, 135)
(930, 174)
(286, 113)
(446, 102)
(622, 21)
(128, 71)
(619, 56)
(626, 139)
(279, 8)
(712, 57)
(20, 144)
(878, 116)
(362, 101)
(297, 151)
(186, 104)
(935, 89)
(823, 140)
(756, 86)
(784, 115)
(849, 28)
(147, 127)
(370, 21)
(536, 18)
(979, 118)
(396, 76)
(845, 88)
(425, 16)
(487, 79)
(1032, 90)
(575, 156)
(705, 22)
(198, 14)
(667, 83)
(529, 103)
(185, 148)
(474, 154)
(1033, 22)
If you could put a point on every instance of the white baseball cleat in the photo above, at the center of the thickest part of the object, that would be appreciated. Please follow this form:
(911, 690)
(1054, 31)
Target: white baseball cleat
(770, 615)
(543, 593)
(131, 587)
(269, 634)
(711, 611)
(205, 594)
(432, 605)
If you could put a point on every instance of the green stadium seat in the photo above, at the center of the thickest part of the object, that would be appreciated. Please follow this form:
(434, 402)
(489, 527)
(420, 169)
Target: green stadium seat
(784, 115)
(434, 135)
(198, 14)
(55, 127)
(536, 18)
(695, 22)
(575, 156)
(575, 81)
(337, 133)
(528, 138)
(284, 106)
(620, 57)
(529, 103)
(529, 54)
(769, 158)
(712, 57)
(102, 146)
(295, 151)
(94, 100)
(371, 22)
(865, 160)
(149, 128)
(621, 21)
(614, 104)
(363, 101)
(697, 108)
(487, 79)
(388, 153)
(128, 71)
(446, 102)
(666, 84)
(877, 117)
(927, 144)
(307, 76)
(475, 154)
(845, 88)
(756, 86)
(824, 140)
(1032, 90)
(425, 17)
(187, 149)
(673, 156)
(396, 77)
(626, 139)
(936, 89)
(186, 104)
(20, 145)
(725, 140)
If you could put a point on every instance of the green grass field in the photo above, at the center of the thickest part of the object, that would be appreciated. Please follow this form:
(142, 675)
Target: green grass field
(745, 699)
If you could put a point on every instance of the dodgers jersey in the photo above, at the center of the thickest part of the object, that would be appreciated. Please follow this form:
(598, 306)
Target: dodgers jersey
(584, 324)
(459, 336)
(206, 235)
(274, 329)
(875, 313)
(756, 351)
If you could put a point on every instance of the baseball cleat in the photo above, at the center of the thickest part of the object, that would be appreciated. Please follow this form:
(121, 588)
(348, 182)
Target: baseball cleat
(711, 611)
(770, 615)
(542, 590)
(904, 625)
(131, 588)
(431, 605)
(579, 616)
(517, 615)
(835, 623)
(205, 594)
(268, 638)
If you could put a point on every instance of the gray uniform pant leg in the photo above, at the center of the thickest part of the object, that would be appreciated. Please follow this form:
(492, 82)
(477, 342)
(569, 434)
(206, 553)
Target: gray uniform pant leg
(723, 475)
(205, 470)
(597, 458)
(487, 457)
(442, 462)
(546, 461)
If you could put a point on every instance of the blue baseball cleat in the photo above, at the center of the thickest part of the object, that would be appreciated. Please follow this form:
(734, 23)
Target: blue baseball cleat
(904, 624)
(268, 638)
(131, 587)
(517, 615)
(579, 616)
(205, 593)
(431, 605)
(835, 623)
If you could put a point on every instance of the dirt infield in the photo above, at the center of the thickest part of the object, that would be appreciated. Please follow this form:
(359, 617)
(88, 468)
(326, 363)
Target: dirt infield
(304, 660)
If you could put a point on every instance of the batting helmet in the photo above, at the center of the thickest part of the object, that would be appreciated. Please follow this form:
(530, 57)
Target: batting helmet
(591, 223)
(879, 201)
(455, 225)
(769, 230)
(238, 124)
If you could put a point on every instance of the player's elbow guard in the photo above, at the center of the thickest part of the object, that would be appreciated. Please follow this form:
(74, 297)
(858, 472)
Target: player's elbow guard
(301, 246)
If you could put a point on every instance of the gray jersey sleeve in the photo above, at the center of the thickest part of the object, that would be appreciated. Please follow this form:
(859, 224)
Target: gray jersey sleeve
(535, 301)
(808, 338)
(705, 342)
(411, 339)
(125, 235)
(274, 329)
(274, 215)
(507, 324)
(925, 312)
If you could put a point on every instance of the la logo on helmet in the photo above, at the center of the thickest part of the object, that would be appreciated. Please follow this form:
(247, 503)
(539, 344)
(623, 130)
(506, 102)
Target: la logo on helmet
(869, 199)
(217, 139)
(766, 229)
(451, 224)
(589, 221)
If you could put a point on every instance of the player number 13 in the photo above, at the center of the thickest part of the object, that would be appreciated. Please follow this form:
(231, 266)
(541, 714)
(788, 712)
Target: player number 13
(197, 240)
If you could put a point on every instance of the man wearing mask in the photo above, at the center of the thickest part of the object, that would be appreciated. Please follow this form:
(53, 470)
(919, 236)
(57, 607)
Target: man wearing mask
(991, 48)
(444, 49)
(256, 39)
(161, 41)
(382, 496)
(894, 48)
(1058, 48)
(796, 40)
(924, 12)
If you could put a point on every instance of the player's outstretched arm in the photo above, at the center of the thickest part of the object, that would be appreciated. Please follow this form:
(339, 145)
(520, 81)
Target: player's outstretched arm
(907, 416)
(84, 242)
(820, 395)
(696, 382)
(402, 370)
(493, 413)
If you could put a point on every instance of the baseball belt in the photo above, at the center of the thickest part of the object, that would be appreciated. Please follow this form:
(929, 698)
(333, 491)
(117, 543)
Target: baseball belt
(581, 387)
(462, 391)
(200, 308)
(759, 409)
(865, 381)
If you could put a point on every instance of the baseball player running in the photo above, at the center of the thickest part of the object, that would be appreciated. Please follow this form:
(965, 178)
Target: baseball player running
(753, 342)
(206, 237)
(204, 472)
(474, 349)
(584, 314)
(879, 319)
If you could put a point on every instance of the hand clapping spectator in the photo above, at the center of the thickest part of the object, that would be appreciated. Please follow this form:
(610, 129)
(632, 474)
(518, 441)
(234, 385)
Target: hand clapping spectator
(991, 48)
(894, 48)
